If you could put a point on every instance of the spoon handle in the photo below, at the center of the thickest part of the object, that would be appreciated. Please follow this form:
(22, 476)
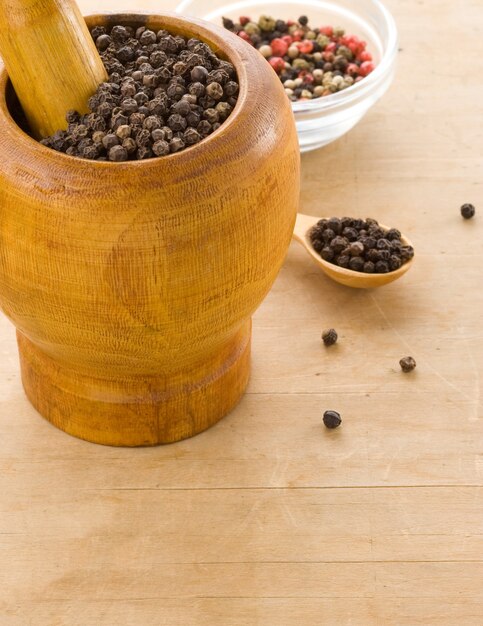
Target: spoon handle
(302, 225)
(51, 60)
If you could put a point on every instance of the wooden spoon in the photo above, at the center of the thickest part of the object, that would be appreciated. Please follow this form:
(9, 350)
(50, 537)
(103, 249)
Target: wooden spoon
(50, 58)
(347, 277)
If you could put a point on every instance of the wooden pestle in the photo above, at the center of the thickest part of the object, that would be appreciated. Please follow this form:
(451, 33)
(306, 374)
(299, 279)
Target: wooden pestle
(50, 58)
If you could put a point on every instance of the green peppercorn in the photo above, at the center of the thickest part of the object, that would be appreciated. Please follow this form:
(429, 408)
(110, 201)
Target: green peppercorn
(265, 22)
(254, 29)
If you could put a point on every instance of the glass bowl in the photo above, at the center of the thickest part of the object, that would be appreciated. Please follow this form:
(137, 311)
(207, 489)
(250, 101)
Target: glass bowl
(323, 120)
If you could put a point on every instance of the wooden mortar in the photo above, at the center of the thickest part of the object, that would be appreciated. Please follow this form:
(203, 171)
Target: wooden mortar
(132, 285)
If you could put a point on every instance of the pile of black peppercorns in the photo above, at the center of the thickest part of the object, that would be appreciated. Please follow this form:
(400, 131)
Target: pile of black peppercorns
(360, 245)
(164, 94)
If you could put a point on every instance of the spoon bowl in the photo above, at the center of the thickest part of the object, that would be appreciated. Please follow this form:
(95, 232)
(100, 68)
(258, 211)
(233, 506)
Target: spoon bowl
(347, 277)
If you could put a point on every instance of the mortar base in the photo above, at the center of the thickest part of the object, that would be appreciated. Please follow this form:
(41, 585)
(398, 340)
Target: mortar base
(137, 411)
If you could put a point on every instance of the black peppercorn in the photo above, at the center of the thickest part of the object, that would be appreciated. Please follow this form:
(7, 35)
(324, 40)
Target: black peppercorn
(335, 224)
(382, 267)
(72, 117)
(332, 419)
(215, 91)
(109, 141)
(407, 364)
(407, 252)
(231, 88)
(343, 260)
(177, 122)
(199, 74)
(123, 132)
(467, 211)
(303, 20)
(181, 108)
(144, 152)
(147, 37)
(394, 262)
(356, 263)
(384, 255)
(125, 54)
(191, 136)
(338, 244)
(383, 244)
(393, 233)
(350, 233)
(103, 42)
(118, 153)
(154, 79)
(356, 248)
(329, 336)
(327, 253)
(161, 148)
(129, 105)
(130, 145)
(176, 144)
(211, 115)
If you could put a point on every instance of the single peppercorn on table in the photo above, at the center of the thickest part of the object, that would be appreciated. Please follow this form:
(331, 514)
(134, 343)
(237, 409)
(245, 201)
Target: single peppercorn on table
(269, 518)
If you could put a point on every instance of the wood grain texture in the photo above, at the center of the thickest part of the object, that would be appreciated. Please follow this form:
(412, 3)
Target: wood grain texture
(51, 60)
(267, 519)
(132, 285)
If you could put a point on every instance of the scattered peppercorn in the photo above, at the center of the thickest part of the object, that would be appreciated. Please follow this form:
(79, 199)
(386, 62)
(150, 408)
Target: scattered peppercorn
(332, 419)
(310, 62)
(329, 336)
(467, 211)
(360, 245)
(164, 93)
(407, 364)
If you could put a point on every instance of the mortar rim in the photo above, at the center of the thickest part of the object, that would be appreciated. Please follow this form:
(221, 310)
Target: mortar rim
(212, 34)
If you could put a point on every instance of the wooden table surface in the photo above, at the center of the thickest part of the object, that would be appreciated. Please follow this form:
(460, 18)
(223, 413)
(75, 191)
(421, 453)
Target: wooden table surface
(269, 519)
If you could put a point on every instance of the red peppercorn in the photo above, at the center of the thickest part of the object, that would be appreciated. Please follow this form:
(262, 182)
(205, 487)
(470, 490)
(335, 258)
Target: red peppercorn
(353, 69)
(330, 47)
(243, 35)
(298, 35)
(328, 56)
(305, 46)
(279, 47)
(364, 56)
(277, 63)
(308, 78)
(327, 30)
(244, 20)
(288, 39)
(366, 68)
(291, 23)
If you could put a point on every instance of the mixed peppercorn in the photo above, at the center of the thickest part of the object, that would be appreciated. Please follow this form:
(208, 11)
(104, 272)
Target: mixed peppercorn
(310, 62)
(164, 94)
(360, 245)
